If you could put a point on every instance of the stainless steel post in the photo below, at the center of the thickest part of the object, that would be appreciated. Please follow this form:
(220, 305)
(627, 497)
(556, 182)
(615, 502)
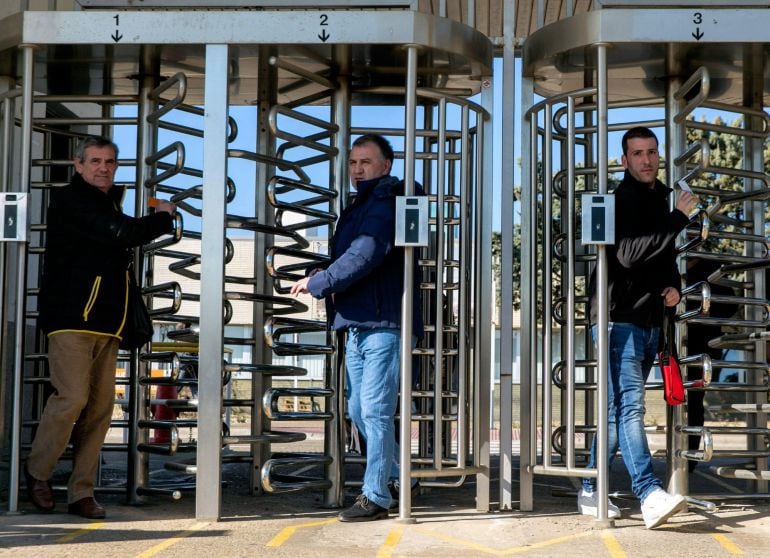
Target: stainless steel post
(28, 55)
(137, 470)
(508, 125)
(484, 299)
(334, 430)
(528, 443)
(438, 347)
(467, 327)
(209, 455)
(405, 473)
(16, 420)
(466, 258)
(8, 100)
(753, 160)
(676, 143)
(267, 84)
(568, 290)
(545, 247)
(602, 479)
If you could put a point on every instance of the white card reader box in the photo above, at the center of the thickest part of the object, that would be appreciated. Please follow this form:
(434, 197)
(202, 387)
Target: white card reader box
(598, 217)
(411, 221)
(13, 210)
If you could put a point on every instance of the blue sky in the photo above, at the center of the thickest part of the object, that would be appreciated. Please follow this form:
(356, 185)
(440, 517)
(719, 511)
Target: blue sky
(242, 172)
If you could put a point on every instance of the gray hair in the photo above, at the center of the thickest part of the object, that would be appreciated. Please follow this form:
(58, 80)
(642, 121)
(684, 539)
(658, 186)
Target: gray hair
(384, 145)
(93, 141)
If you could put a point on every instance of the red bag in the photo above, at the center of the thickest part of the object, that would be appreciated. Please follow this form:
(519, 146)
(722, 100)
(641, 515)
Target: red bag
(673, 387)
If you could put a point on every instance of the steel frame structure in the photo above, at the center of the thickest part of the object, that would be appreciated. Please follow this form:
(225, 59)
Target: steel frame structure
(215, 66)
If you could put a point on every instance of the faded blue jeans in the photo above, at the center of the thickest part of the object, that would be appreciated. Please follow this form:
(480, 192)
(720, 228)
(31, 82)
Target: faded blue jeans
(373, 367)
(632, 352)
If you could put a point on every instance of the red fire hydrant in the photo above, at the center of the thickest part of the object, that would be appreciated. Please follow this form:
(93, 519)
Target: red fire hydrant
(163, 412)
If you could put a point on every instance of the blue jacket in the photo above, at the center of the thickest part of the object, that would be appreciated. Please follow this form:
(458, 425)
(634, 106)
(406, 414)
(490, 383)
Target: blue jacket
(366, 273)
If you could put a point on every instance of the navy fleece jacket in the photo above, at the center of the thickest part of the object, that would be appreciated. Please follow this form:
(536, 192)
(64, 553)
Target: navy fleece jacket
(366, 272)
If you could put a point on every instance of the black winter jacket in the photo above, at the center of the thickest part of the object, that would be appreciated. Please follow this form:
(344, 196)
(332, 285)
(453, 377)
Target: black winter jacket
(642, 263)
(88, 251)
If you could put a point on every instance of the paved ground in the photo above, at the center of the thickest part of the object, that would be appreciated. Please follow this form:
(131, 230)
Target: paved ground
(447, 525)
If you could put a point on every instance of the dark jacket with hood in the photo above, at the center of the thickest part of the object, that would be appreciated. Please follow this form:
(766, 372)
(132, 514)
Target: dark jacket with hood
(366, 273)
(87, 257)
(642, 262)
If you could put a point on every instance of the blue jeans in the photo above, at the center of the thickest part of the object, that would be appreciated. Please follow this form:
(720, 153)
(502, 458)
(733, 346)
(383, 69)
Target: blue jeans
(632, 351)
(372, 362)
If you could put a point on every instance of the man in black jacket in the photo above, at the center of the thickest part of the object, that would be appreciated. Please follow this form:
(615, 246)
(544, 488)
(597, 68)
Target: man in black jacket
(83, 302)
(642, 280)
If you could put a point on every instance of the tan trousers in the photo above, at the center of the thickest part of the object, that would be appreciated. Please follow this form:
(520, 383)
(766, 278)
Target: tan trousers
(82, 368)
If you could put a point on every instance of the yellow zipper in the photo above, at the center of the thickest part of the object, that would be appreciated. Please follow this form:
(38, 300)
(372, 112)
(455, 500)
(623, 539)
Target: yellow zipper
(125, 306)
(92, 298)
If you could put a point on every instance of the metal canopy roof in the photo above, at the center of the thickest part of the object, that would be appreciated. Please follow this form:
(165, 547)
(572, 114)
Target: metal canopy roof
(555, 34)
(558, 56)
(487, 15)
(97, 52)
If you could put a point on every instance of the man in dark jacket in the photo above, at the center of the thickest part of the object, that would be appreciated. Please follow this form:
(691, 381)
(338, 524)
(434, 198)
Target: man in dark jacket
(363, 285)
(83, 303)
(642, 280)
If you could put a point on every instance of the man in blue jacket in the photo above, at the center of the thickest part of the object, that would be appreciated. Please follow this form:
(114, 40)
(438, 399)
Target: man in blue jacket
(643, 279)
(363, 285)
(83, 303)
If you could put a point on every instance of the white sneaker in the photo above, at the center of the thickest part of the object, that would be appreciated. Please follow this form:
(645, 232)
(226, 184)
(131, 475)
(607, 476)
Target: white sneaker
(659, 505)
(587, 505)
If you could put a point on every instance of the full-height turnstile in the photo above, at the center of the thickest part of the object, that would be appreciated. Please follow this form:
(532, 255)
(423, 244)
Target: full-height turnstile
(162, 76)
(600, 73)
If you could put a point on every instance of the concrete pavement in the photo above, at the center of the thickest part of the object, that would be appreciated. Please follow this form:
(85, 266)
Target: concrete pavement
(297, 526)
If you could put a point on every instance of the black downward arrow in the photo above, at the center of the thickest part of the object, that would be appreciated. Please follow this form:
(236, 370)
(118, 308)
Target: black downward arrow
(698, 35)
(324, 36)
(116, 36)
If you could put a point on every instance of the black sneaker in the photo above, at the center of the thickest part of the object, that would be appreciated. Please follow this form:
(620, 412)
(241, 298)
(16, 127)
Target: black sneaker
(393, 486)
(363, 510)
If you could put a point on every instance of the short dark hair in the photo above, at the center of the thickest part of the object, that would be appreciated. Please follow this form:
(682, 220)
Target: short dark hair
(637, 132)
(93, 141)
(379, 141)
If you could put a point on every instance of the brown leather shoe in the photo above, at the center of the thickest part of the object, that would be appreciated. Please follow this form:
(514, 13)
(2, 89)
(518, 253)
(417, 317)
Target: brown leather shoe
(39, 492)
(87, 507)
